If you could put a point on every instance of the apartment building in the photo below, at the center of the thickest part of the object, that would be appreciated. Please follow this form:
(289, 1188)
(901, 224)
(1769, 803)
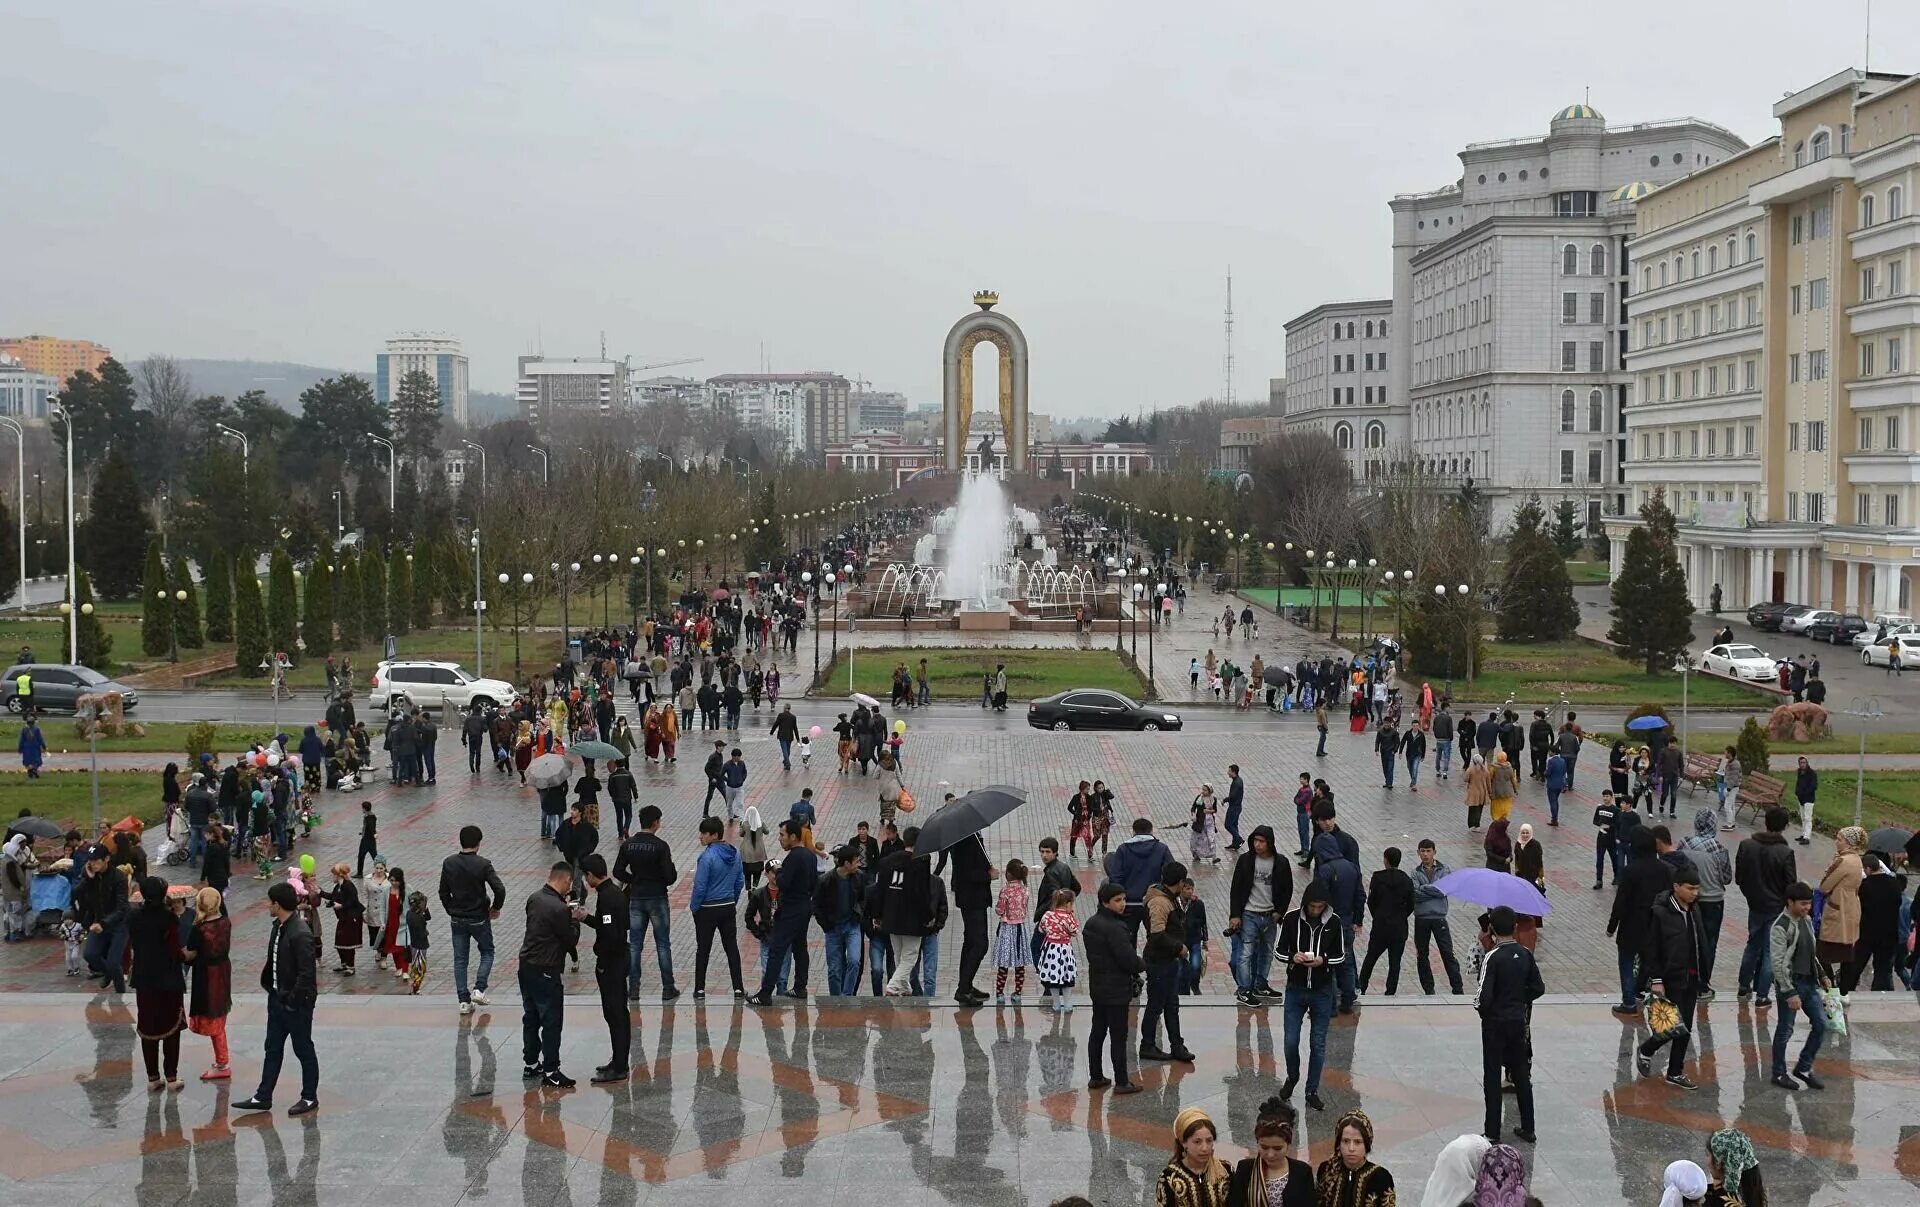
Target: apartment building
(1337, 379)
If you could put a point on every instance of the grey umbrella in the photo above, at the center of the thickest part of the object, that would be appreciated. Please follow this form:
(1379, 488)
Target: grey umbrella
(968, 815)
(35, 827)
(549, 770)
(597, 750)
(1888, 839)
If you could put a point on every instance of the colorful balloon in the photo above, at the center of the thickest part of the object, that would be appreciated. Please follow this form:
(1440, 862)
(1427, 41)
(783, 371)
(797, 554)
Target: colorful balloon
(899, 727)
(306, 865)
(814, 732)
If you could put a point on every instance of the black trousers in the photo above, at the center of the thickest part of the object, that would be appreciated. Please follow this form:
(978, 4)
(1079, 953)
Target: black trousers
(1683, 997)
(707, 922)
(1391, 944)
(1539, 756)
(1109, 1027)
(367, 848)
(1507, 1046)
(1163, 1001)
(613, 1007)
(542, 1013)
(1435, 931)
(789, 938)
(973, 948)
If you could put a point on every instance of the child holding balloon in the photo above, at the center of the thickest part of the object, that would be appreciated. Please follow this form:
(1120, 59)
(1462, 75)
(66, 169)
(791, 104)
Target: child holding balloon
(896, 741)
(806, 745)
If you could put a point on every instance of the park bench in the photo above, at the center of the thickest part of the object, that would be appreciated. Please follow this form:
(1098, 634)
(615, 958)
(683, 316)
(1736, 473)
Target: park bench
(1701, 769)
(1758, 792)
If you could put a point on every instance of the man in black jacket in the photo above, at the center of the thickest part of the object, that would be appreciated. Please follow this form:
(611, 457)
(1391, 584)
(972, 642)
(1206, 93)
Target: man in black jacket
(1390, 901)
(1539, 746)
(1645, 878)
(100, 906)
(839, 906)
(1311, 946)
(973, 876)
(904, 907)
(1055, 874)
(553, 930)
(1509, 985)
(645, 867)
(471, 895)
(798, 876)
(1763, 867)
(475, 736)
(716, 777)
(1112, 965)
(1166, 956)
(1260, 892)
(608, 917)
(290, 982)
(1673, 959)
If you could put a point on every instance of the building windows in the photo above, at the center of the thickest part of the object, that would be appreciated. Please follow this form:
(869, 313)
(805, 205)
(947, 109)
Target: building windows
(1817, 294)
(1753, 247)
(1596, 356)
(1594, 462)
(1646, 447)
(1893, 433)
(1896, 203)
(1376, 435)
(1894, 349)
(1596, 308)
(1817, 365)
(1663, 329)
(1663, 272)
(1569, 308)
(1695, 264)
(1819, 147)
(1747, 441)
(1867, 280)
(1566, 467)
(1896, 278)
(1793, 367)
(1343, 435)
(1597, 260)
(1796, 230)
(1866, 433)
(1820, 223)
(1566, 410)
(1660, 445)
(1793, 505)
(1816, 507)
(1693, 383)
(1596, 411)
(1693, 442)
(1866, 358)
(1892, 511)
(1369, 357)
(1793, 437)
(1713, 380)
(1817, 436)
(1750, 375)
(1569, 356)
(1713, 442)
(1646, 333)
(1713, 258)
(1866, 210)
(1793, 299)
(1863, 508)
(1570, 261)
(1753, 310)
(1369, 330)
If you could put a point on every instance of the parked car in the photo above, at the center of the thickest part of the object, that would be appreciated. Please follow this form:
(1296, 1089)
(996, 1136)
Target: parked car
(1907, 653)
(57, 686)
(1839, 630)
(1096, 708)
(1876, 634)
(1740, 662)
(1891, 619)
(433, 685)
(1796, 620)
(1760, 614)
(1773, 616)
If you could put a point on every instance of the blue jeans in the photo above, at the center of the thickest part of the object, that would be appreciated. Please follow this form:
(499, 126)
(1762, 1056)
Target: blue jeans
(1386, 768)
(926, 969)
(1413, 772)
(1304, 821)
(1253, 950)
(880, 961)
(1301, 1003)
(196, 844)
(843, 959)
(642, 911)
(786, 966)
(1195, 966)
(426, 756)
(285, 1023)
(1232, 824)
(106, 954)
(786, 754)
(1321, 749)
(1629, 985)
(478, 932)
(1816, 1012)
(1442, 756)
(1344, 975)
(1756, 962)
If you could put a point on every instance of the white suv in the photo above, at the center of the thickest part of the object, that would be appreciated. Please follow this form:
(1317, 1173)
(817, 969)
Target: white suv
(433, 685)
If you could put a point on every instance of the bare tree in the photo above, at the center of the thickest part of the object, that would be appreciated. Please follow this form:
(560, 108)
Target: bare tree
(166, 389)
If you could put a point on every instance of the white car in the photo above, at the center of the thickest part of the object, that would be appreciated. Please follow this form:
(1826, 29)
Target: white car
(1873, 636)
(1740, 662)
(1908, 654)
(434, 685)
(1800, 623)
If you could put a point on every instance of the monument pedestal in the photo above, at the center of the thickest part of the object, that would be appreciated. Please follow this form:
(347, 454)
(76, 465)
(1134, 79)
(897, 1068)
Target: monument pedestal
(999, 620)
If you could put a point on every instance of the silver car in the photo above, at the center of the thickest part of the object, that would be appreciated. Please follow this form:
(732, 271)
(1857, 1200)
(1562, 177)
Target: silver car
(58, 686)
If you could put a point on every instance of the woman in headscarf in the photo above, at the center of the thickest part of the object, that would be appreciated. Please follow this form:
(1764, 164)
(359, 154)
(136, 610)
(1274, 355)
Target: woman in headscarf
(523, 749)
(1273, 1176)
(1530, 864)
(1499, 846)
(1503, 1179)
(153, 940)
(1840, 916)
(1456, 1172)
(1349, 1178)
(1617, 770)
(1683, 1185)
(170, 794)
(16, 885)
(208, 946)
(1194, 1177)
(1476, 779)
(1736, 1171)
(1502, 781)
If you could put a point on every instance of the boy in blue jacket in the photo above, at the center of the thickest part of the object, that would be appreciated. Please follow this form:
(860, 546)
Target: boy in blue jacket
(717, 880)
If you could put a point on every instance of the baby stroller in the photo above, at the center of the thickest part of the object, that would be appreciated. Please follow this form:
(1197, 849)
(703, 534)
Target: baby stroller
(48, 898)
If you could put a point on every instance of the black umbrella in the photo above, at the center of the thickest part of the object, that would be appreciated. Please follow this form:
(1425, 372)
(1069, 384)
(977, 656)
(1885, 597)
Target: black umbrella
(35, 827)
(1278, 676)
(968, 815)
(1887, 839)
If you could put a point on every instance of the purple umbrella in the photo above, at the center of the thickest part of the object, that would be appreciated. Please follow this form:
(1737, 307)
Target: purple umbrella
(1485, 886)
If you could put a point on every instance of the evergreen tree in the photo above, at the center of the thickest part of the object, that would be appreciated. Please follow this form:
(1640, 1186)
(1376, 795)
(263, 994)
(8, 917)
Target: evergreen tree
(217, 581)
(346, 594)
(1536, 596)
(9, 552)
(156, 610)
(415, 412)
(117, 528)
(1566, 521)
(318, 629)
(283, 604)
(95, 643)
(373, 596)
(250, 647)
(186, 614)
(1652, 617)
(424, 585)
(400, 590)
(1443, 637)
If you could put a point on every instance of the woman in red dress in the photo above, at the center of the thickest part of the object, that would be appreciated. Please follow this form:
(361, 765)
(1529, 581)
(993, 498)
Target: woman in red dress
(208, 946)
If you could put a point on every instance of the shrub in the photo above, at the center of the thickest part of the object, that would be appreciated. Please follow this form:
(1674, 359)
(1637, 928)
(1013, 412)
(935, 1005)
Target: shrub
(201, 740)
(1752, 748)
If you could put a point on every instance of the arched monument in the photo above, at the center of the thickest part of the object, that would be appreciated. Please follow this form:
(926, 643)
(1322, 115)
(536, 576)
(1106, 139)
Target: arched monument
(957, 382)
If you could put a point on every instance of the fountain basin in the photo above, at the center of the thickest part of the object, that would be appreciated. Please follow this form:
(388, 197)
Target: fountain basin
(984, 620)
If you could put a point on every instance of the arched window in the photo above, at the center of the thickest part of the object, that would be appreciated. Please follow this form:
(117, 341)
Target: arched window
(1753, 247)
(1696, 262)
(1732, 245)
(1896, 203)
(1566, 410)
(1596, 411)
(1713, 258)
(1820, 146)
(1383, 328)
(1343, 435)
(1663, 272)
(1376, 435)
(1866, 209)
(1349, 330)
(1570, 260)
(1369, 329)
(1453, 465)
(1598, 257)
(1799, 155)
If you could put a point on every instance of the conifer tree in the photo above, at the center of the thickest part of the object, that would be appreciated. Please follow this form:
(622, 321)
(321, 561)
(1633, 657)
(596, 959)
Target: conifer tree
(1652, 616)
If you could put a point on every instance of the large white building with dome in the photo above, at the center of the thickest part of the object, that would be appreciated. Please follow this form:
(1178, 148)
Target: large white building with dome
(1506, 361)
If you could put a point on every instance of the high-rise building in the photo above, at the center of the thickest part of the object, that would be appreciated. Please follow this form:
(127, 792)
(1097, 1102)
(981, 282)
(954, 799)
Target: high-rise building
(550, 388)
(810, 410)
(438, 356)
(59, 358)
(878, 411)
(24, 394)
(1508, 324)
(1771, 335)
(1336, 382)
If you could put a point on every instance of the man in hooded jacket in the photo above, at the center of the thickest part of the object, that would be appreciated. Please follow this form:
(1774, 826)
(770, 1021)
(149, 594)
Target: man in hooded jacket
(1136, 865)
(1346, 893)
(1311, 948)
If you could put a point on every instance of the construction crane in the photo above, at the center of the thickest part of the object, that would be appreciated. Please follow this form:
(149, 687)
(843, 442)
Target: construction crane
(663, 364)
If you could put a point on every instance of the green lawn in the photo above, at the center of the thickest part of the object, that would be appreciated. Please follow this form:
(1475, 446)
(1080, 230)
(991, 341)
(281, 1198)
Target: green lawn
(66, 796)
(1878, 742)
(1590, 677)
(49, 641)
(1302, 596)
(1892, 798)
(163, 737)
(955, 674)
(1586, 572)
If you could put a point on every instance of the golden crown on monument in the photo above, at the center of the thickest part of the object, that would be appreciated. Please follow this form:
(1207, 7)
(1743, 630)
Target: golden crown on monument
(986, 299)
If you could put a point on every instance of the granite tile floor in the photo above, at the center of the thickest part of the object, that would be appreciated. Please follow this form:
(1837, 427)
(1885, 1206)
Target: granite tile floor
(918, 1105)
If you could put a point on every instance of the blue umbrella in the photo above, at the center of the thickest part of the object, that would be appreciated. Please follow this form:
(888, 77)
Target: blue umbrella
(1647, 722)
(1485, 886)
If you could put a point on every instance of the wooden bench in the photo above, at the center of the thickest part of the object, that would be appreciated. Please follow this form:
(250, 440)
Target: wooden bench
(1701, 769)
(1758, 792)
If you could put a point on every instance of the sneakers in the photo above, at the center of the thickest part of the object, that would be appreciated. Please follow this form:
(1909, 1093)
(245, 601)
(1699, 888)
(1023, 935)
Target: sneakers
(480, 997)
(1246, 998)
(1681, 1081)
(1811, 1082)
(1526, 1134)
(466, 1007)
(607, 1075)
(1147, 1053)
(669, 994)
(1643, 1062)
(1182, 1055)
(699, 995)
(555, 1079)
(1785, 1082)
(531, 1072)
(1286, 1088)
(1313, 1101)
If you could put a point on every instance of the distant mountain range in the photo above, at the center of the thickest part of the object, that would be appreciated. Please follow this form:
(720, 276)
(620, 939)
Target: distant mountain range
(284, 382)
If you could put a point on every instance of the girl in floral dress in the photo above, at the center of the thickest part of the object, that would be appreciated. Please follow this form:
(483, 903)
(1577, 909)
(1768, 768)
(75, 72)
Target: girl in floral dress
(1205, 828)
(1058, 967)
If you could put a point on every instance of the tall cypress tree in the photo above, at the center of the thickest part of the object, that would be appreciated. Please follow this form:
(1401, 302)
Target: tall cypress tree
(347, 618)
(283, 603)
(156, 604)
(217, 581)
(1652, 617)
(373, 595)
(250, 647)
(95, 643)
(400, 589)
(186, 614)
(1536, 596)
(318, 629)
(117, 528)
(424, 585)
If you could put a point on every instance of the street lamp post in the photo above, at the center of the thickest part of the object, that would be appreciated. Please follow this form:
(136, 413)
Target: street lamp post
(1313, 593)
(1865, 709)
(541, 453)
(20, 442)
(526, 580)
(1684, 665)
(813, 606)
(170, 600)
(339, 521)
(633, 567)
(246, 447)
(392, 465)
(1333, 572)
(483, 465)
(479, 604)
(73, 627)
(1440, 593)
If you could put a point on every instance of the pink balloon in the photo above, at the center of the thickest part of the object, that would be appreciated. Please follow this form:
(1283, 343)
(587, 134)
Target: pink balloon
(814, 732)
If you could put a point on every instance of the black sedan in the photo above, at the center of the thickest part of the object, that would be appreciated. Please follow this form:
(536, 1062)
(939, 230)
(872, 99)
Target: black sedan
(1838, 630)
(1772, 616)
(1096, 708)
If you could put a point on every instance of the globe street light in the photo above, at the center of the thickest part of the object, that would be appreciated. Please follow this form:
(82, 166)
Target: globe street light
(813, 606)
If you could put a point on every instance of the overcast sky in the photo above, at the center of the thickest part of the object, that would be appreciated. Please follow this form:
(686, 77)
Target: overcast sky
(829, 179)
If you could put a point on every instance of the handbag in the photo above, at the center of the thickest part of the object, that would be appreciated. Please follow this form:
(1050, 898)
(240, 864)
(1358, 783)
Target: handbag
(1663, 1018)
(907, 803)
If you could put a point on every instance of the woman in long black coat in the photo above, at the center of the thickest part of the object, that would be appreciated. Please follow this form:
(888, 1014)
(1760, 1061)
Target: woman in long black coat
(159, 989)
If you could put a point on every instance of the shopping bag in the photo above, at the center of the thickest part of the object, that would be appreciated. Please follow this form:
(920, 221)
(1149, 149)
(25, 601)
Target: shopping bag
(1663, 1018)
(1836, 1010)
(907, 803)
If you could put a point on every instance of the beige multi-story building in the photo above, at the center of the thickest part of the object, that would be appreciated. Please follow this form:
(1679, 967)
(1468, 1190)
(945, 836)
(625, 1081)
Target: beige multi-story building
(1337, 379)
(1239, 437)
(1771, 335)
(55, 357)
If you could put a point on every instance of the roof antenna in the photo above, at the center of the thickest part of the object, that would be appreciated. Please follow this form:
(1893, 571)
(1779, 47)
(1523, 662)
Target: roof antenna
(1866, 65)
